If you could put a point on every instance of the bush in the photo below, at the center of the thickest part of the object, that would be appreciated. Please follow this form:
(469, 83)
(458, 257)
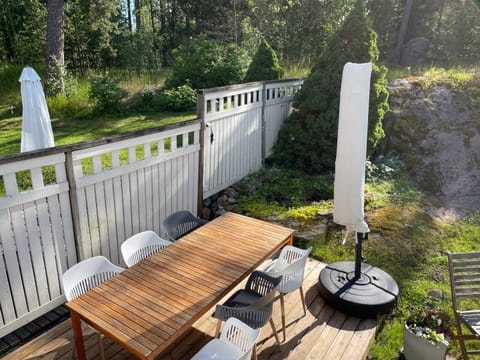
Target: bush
(264, 65)
(308, 139)
(105, 92)
(182, 98)
(204, 63)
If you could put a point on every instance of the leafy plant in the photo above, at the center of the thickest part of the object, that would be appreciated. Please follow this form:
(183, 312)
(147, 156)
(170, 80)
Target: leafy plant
(105, 92)
(204, 63)
(181, 98)
(430, 323)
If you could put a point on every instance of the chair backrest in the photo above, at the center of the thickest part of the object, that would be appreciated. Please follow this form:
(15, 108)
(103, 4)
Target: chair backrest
(142, 245)
(291, 261)
(464, 270)
(241, 336)
(262, 283)
(88, 274)
(181, 223)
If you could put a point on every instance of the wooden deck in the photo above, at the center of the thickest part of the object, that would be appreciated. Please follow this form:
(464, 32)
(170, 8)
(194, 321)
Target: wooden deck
(322, 334)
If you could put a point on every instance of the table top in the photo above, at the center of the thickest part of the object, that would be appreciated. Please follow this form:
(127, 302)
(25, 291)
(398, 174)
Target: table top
(148, 306)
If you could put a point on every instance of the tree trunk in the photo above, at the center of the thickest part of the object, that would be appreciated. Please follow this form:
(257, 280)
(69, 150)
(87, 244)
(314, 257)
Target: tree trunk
(138, 15)
(54, 57)
(402, 33)
(129, 15)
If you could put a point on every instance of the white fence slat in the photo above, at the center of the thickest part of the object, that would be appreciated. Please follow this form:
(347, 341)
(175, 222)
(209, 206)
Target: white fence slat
(102, 206)
(132, 157)
(13, 300)
(16, 166)
(118, 207)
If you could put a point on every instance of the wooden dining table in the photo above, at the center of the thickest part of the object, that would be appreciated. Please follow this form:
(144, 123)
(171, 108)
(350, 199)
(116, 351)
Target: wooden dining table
(151, 304)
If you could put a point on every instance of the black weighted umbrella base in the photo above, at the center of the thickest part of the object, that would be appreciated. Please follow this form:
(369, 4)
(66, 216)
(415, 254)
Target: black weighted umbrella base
(371, 293)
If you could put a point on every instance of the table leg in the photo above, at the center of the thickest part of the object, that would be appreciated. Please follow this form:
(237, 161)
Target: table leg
(290, 240)
(77, 335)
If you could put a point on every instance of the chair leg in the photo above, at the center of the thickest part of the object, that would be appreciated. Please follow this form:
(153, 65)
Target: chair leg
(302, 296)
(100, 346)
(282, 306)
(217, 331)
(275, 332)
(461, 340)
(254, 352)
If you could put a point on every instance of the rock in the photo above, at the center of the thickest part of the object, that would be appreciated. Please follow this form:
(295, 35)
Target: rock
(414, 51)
(231, 192)
(206, 213)
(436, 294)
(207, 202)
(435, 132)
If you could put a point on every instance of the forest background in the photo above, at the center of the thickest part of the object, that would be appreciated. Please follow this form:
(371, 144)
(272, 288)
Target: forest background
(144, 35)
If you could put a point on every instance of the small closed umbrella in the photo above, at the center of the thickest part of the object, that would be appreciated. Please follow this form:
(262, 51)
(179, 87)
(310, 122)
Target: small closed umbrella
(36, 127)
(354, 287)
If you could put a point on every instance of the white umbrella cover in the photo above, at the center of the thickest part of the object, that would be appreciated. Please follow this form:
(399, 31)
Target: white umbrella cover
(36, 127)
(355, 288)
(352, 148)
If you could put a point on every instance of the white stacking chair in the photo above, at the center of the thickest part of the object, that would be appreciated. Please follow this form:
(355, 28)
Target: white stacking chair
(85, 276)
(142, 245)
(291, 265)
(236, 342)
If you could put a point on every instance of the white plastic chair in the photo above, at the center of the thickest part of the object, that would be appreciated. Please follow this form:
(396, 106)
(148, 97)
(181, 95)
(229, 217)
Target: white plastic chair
(86, 275)
(142, 245)
(237, 342)
(291, 265)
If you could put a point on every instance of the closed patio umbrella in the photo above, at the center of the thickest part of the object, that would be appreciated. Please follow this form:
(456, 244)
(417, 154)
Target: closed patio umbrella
(36, 127)
(354, 287)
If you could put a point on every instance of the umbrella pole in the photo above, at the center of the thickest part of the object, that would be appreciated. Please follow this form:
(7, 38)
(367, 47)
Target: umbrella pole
(358, 254)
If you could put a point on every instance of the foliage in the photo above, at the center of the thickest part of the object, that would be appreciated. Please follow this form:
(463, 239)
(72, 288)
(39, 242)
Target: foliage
(204, 63)
(287, 188)
(307, 141)
(264, 65)
(105, 92)
(430, 323)
(181, 98)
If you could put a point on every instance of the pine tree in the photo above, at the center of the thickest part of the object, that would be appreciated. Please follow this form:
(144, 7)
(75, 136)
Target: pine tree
(308, 139)
(264, 65)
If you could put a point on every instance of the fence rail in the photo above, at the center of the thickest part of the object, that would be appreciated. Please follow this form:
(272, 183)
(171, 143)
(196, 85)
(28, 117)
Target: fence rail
(107, 190)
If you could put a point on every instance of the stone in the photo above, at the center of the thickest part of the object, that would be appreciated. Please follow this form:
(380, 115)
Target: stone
(206, 213)
(231, 193)
(435, 293)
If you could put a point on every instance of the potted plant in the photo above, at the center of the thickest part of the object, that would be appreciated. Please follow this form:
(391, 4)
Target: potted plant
(426, 333)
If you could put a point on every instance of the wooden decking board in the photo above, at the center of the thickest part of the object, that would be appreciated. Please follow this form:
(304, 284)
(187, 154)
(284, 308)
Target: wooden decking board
(322, 334)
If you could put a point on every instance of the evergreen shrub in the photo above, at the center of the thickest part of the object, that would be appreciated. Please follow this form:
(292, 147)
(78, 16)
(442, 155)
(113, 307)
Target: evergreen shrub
(264, 65)
(308, 139)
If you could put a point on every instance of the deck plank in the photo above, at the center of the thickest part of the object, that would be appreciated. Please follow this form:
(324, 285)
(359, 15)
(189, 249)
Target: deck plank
(323, 333)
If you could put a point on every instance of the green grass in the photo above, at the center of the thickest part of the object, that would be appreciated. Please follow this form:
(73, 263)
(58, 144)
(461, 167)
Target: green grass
(73, 116)
(405, 240)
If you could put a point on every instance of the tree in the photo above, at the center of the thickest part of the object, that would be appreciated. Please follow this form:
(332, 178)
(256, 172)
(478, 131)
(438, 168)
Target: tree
(307, 141)
(54, 56)
(264, 65)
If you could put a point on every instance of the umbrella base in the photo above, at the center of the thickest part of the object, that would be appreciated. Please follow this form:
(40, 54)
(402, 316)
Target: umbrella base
(372, 293)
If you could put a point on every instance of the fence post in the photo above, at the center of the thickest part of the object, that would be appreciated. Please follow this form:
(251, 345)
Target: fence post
(264, 115)
(73, 202)
(201, 115)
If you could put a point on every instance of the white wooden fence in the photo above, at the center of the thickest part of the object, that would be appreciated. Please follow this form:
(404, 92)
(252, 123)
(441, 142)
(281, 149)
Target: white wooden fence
(107, 190)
